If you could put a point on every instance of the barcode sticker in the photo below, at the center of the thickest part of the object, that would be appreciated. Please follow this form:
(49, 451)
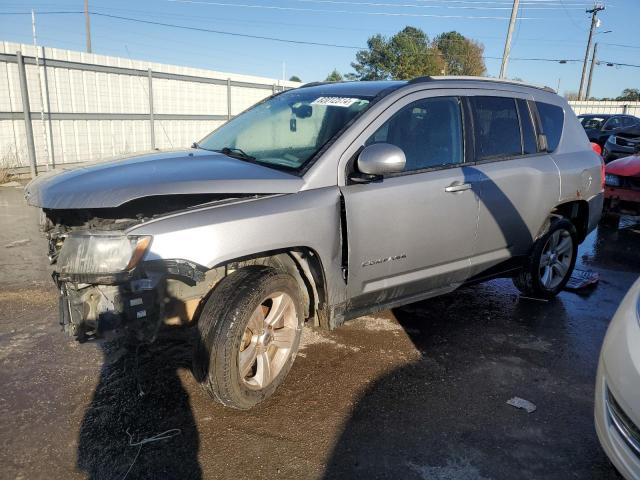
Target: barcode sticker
(335, 101)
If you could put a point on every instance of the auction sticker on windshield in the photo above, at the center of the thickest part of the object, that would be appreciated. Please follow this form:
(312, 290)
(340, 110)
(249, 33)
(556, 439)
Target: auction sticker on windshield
(335, 101)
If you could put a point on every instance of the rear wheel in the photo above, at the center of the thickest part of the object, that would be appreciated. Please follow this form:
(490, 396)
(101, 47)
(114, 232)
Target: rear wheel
(250, 330)
(551, 262)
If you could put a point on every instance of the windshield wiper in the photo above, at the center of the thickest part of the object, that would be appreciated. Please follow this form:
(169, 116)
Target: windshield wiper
(236, 153)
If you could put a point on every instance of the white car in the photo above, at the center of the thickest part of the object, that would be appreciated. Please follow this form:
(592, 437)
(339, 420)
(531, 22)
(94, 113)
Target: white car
(617, 406)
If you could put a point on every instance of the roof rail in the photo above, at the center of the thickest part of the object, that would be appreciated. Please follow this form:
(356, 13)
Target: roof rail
(427, 78)
(481, 79)
(314, 84)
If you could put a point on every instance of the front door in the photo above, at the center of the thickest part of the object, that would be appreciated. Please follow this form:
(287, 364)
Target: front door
(413, 232)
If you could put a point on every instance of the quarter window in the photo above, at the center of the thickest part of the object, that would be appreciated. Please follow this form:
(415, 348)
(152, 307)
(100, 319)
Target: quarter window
(552, 119)
(496, 127)
(429, 132)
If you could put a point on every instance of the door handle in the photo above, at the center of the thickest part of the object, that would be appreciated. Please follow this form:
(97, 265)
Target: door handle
(457, 187)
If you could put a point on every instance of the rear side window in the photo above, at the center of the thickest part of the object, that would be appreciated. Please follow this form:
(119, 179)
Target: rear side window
(496, 127)
(552, 119)
(529, 142)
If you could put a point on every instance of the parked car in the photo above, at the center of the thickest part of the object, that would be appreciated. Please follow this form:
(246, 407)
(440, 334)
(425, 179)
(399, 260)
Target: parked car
(622, 189)
(317, 205)
(617, 402)
(600, 127)
(596, 148)
(624, 143)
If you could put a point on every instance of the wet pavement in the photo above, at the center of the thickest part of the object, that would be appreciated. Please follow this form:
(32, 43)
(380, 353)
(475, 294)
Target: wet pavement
(418, 392)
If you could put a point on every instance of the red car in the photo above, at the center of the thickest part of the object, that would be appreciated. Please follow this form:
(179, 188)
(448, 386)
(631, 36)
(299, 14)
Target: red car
(622, 189)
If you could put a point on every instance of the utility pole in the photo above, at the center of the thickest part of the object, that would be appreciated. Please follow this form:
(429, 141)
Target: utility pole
(87, 23)
(594, 23)
(594, 62)
(507, 44)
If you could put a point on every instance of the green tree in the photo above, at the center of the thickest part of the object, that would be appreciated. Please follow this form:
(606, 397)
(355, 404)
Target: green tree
(405, 55)
(334, 76)
(461, 55)
(630, 94)
(294, 78)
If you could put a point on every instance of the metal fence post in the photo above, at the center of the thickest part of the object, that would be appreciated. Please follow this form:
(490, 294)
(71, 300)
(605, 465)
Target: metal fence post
(151, 120)
(26, 110)
(228, 99)
(48, 103)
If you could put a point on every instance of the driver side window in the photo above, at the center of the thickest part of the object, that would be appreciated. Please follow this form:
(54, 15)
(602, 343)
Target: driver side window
(612, 123)
(428, 131)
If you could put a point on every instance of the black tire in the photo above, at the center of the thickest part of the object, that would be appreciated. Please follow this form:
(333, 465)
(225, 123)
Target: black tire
(223, 325)
(529, 280)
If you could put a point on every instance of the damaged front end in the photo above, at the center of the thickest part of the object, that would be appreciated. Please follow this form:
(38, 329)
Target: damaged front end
(101, 290)
(105, 287)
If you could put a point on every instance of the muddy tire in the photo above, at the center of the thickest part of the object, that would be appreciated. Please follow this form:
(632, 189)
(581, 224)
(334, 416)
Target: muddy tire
(249, 332)
(550, 263)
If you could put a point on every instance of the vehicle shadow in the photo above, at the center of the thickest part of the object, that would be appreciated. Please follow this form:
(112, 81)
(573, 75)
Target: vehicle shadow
(139, 423)
(445, 415)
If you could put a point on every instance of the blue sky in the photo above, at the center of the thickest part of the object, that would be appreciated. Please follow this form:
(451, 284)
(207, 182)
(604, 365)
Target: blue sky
(547, 29)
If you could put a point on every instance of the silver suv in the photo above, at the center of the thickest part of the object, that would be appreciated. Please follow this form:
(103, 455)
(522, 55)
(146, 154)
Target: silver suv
(318, 205)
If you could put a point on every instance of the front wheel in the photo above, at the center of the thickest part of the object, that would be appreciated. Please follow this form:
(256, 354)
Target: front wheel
(250, 330)
(551, 262)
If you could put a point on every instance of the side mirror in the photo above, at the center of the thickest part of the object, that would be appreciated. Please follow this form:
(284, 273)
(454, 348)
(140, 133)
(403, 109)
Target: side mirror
(380, 159)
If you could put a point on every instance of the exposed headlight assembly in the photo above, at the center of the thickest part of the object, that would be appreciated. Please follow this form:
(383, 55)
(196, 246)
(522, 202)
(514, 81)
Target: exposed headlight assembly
(101, 254)
(612, 180)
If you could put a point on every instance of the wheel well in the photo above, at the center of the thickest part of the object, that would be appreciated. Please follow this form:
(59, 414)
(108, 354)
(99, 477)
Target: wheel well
(578, 213)
(305, 266)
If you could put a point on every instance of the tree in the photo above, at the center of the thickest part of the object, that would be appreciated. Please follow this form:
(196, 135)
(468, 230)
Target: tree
(461, 55)
(294, 78)
(334, 76)
(630, 94)
(405, 55)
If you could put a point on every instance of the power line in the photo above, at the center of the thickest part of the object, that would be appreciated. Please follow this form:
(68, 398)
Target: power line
(351, 12)
(185, 27)
(620, 45)
(413, 5)
(618, 64)
(40, 13)
(221, 32)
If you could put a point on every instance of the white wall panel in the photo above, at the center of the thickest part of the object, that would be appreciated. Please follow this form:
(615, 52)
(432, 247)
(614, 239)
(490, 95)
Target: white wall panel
(89, 92)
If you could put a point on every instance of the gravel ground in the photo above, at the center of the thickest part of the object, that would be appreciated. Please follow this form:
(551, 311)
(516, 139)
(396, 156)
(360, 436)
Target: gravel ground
(418, 392)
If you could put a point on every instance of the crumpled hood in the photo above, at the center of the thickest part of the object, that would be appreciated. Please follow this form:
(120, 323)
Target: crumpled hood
(113, 183)
(625, 167)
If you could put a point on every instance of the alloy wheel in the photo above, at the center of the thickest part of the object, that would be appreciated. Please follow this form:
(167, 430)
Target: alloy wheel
(556, 258)
(267, 340)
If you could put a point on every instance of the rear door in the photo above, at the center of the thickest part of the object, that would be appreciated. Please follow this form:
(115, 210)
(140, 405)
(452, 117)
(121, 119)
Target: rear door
(411, 233)
(517, 185)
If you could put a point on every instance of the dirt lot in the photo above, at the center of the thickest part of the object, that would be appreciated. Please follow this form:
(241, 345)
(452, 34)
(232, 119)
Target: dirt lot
(417, 393)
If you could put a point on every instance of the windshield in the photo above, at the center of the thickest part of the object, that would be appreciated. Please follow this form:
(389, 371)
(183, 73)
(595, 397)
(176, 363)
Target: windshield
(594, 123)
(286, 130)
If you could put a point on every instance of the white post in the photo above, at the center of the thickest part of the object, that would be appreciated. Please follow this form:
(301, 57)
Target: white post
(43, 125)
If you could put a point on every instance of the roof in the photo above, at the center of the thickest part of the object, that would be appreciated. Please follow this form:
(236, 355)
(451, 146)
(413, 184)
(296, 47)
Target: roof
(373, 88)
(357, 88)
(597, 115)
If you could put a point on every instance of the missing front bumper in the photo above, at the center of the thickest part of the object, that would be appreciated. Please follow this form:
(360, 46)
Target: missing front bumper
(90, 312)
